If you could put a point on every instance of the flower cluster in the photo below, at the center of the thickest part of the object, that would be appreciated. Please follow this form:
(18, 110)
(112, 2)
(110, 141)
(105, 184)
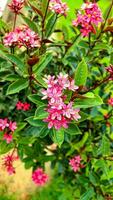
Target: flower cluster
(110, 71)
(8, 127)
(75, 163)
(16, 5)
(23, 106)
(59, 113)
(8, 161)
(89, 15)
(39, 177)
(110, 101)
(58, 7)
(22, 36)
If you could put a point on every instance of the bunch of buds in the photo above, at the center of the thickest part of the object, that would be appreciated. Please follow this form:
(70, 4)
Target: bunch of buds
(16, 6)
(60, 114)
(87, 17)
(8, 127)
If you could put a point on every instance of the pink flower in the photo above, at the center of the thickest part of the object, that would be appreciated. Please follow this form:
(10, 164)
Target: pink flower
(110, 101)
(58, 7)
(72, 86)
(22, 36)
(8, 137)
(19, 105)
(23, 106)
(3, 123)
(12, 126)
(26, 106)
(75, 163)
(16, 5)
(39, 177)
(28, 38)
(70, 112)
(8, 163)
(110, 70)
(60, 114)
(87, 17)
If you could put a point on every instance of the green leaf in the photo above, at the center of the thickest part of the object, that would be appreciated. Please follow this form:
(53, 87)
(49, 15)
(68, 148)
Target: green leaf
(105, 146)
(20, 126)
(40, 113)
(81, 143)
(36, 99)
(15, 60)
(11, 77)
(88, 102)
(50, 25)
(84, 117)
(17, 86)
(88, 194)
(81, 73)
(30, 23)
(35, 122)
(42, 64)
(58, 136)
(73, 130)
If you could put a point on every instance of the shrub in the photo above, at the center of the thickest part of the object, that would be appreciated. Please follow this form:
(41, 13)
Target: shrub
(57, 95)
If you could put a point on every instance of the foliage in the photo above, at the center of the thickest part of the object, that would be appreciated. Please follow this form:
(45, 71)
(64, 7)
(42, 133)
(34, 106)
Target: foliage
(85, 60)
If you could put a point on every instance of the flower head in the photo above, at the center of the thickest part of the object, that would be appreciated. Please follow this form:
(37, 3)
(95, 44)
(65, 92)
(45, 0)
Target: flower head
(4, 124)
(8, 161)
(8, 137)
(110, 101)
(22, 36)
(58, 7)
(60, 114)
(75, 163)
(110, 71)
(87, 17)
(23, 106)
(16, 5)
(12, 126)
(39, 177)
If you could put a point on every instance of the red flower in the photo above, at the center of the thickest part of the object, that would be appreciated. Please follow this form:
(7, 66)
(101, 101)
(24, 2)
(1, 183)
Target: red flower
(39, 177)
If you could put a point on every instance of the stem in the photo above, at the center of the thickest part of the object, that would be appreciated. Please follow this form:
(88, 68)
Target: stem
(96, 85)
(15, 18)
(106, 19)
(43, 21)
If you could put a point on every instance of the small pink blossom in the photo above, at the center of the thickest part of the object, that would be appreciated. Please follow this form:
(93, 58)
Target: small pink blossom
(60, 114)
(87, 17)
(23, 106)
(39, 177)
(19, 105)
(16, 5)
(110, 101)
(70, 112)
(4, 123)
(22, 36)
(12, 126)
(72, 86)
(8, 161)
(8, 137)
(75, 163)
(58, 7)
(110, 70)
